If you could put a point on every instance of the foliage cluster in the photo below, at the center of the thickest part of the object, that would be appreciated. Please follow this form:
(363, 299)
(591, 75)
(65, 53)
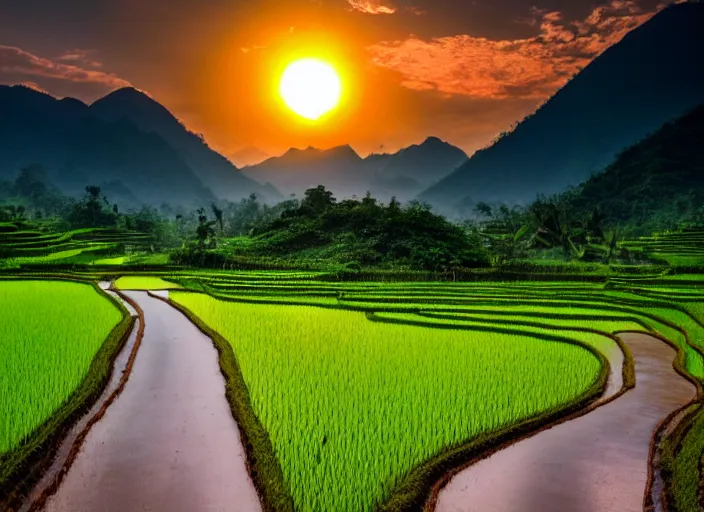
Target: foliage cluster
(367, 233)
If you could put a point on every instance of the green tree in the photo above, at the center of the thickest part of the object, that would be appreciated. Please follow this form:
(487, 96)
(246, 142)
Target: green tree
(316, 201)
(217, 212)
(92, 211)
(205, 232)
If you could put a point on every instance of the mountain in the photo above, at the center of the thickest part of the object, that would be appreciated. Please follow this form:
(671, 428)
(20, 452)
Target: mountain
(248, 156)
(343, 171)
(340, 169)
(652, 185)
(653, 75)
(216, 171)
(78, 149)
(412, 169)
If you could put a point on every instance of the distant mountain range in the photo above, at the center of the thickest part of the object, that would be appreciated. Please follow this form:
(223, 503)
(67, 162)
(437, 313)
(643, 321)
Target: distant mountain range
(653, 75)
(248, 156)
(126, 142)
(403, 174)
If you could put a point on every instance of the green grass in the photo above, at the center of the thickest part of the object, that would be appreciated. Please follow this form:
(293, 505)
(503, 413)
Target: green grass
(119, 260)
(144, 283)
(49, 334)
(351, 406)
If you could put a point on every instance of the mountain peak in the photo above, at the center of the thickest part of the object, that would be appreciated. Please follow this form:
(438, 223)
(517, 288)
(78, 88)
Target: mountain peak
(312, 151)
(433, 140)
(129, 99)
(343, 150)
(128, 93)
(73, 102)
(216, 171)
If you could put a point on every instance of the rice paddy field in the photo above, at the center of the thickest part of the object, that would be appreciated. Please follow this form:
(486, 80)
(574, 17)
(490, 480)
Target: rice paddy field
(338, 393)
(364, 390)
(143, 283)
(472, 315)
(685, 247)
(50, 333)
(31, 244)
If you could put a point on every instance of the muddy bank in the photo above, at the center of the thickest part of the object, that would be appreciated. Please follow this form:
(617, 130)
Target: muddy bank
(169, 442)
(594, 463)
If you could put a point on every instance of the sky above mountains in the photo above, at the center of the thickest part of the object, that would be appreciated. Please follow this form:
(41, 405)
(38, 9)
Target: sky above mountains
(463, 71)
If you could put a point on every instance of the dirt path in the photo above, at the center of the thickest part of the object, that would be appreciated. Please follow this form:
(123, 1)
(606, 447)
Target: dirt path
(595, 463)
(169, 442)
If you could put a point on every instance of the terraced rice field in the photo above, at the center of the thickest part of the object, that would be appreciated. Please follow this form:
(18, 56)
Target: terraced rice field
(22, 243)
(50, 333)
(582, 311)
(337, 393)
(676, 248)
(361, 395)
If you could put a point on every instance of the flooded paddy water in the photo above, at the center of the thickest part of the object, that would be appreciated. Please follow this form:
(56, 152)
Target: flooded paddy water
(169, 441)
(594, 463)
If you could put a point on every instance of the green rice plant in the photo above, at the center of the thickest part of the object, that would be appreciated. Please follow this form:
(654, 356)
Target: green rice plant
(144, 283)
(659, 308)
(50, 331)
(119, 260)
(352, 406)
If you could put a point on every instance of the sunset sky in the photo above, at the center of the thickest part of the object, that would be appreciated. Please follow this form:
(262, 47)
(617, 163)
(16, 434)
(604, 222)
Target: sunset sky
(460, 70)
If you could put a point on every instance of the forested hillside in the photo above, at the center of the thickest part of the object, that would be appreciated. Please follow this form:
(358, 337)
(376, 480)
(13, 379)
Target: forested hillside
(653, 185)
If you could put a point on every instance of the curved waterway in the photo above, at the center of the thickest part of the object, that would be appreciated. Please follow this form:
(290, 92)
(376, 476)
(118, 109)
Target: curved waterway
(169, 441)
(593, 463)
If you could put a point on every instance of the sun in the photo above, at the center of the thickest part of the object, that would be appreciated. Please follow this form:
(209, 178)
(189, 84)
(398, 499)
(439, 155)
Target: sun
(310, 87)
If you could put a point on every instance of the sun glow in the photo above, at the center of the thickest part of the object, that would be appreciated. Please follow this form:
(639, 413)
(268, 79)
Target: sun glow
(310, 87)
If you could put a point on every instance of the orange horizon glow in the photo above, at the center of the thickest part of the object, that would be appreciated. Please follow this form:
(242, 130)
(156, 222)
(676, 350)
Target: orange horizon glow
(404, 75)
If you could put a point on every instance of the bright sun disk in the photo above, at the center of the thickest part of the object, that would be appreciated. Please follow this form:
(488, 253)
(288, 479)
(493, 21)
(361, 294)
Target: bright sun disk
(310, 88)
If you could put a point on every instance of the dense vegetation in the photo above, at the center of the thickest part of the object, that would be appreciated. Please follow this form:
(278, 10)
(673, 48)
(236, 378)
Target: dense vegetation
(654, 185)
(50, 331)
(363, 233)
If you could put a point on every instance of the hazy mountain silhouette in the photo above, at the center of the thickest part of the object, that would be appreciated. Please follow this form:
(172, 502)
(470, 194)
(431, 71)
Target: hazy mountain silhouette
(653, 75)
(78, 149)
(340, 169)
(248, 156)
(412, 169)
(345, 173)
(654, 184)
(216, 171)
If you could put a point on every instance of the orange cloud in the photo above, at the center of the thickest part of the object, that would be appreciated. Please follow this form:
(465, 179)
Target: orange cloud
(17, 62)
(81, 56)
(371, 7)
(532, 68)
